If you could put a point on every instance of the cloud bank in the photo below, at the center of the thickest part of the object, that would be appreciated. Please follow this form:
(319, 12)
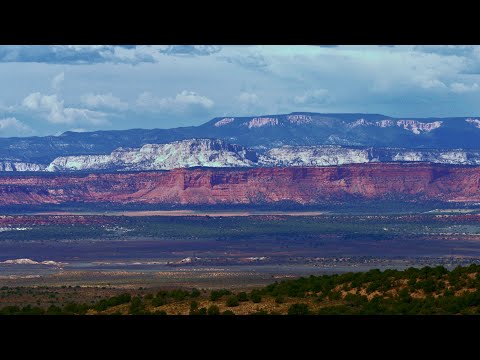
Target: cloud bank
(51, 89)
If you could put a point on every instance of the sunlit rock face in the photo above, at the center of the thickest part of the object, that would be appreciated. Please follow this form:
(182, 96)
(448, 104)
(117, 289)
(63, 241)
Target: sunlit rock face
(218, 153)
(179, 154)
(302, 185)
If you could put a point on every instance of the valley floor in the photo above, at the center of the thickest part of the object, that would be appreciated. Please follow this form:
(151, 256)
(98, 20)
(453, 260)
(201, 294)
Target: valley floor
(225, 251)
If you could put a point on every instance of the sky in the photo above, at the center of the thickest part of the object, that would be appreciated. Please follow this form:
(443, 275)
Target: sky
(47, 90)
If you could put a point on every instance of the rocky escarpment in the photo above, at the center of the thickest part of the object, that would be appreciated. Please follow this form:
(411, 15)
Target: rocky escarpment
(263, 132)
(178, 154)
(218, 153)
(416, 182)
(338, 155)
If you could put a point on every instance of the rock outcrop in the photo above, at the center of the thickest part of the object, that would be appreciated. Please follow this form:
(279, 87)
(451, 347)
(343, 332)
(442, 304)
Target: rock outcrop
(417, 182)
(178, 154)
(218, 153)
(262, 132)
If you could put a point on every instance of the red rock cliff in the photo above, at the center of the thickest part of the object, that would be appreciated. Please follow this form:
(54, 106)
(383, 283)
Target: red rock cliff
(243, 186)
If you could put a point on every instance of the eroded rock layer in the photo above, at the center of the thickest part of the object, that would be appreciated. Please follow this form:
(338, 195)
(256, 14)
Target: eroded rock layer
(307, 185)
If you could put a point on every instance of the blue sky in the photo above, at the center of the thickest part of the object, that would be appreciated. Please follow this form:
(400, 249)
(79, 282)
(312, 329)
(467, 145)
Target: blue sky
(46, 90)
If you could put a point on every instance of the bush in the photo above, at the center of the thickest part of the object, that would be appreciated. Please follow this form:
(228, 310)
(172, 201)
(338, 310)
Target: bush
(28, 310)
(213, 310)
(335, 295)
(72, 308)
(101, 305)
(54, 310)
(298, 309)
(179, 295)
(193, 308)
(202, 311)
(255, 297)
(242, 296)
(136, 306)
(159, 301)
(427, 285)
(217, 294)
(195, 293)
(449, 293)
(228, 312)
(232, 301)
(261, 312)
(279, 299)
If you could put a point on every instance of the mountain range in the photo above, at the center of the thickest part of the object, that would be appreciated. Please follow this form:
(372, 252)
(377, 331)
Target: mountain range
(216, 153)
(296, 139)
(298, 158)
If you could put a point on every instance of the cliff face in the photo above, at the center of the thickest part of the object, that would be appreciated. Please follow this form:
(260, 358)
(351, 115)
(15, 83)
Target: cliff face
(179, 154)
(218, 153)
(250, 186)
(254, 132)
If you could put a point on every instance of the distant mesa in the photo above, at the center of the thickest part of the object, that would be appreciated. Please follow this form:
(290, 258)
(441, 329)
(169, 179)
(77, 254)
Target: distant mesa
(295, 139)
(217, 153)
(413, 182)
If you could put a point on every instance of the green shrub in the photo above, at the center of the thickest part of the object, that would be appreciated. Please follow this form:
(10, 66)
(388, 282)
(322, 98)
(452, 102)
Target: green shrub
(335, 295)
(137, 307)
(195, 293)
(260, 312)
(178, 295)
(54, 310)
(242, 296)
(232, 301)
(255, 297)
(217, 294)
(159, 301)
(298, 309)
(213, 310)
(202, 311)
(193, 308)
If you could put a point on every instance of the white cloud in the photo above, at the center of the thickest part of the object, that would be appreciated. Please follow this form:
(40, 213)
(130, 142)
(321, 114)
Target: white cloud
(448, 50)
(248, 98)
(99, 101)
(249, 103)
(90, 54)
(184, 101)
(427, 83)
(12, 127)
(200, 50)
(400, 81)
(53, 109)
(459, 87)
(254, 61)
(58, 80)
(314, 97)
